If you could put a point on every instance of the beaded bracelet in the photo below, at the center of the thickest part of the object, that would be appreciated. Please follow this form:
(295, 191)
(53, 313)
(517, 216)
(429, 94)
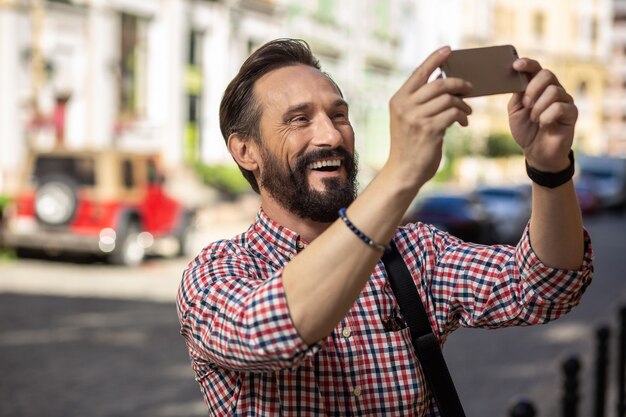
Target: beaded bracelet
(361, 235)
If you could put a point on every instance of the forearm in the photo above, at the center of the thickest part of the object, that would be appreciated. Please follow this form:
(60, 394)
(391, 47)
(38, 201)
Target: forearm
(556, 228)
(322, 282)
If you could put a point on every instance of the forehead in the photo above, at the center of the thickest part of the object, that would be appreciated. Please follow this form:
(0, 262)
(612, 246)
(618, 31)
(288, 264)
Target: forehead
(289, 86)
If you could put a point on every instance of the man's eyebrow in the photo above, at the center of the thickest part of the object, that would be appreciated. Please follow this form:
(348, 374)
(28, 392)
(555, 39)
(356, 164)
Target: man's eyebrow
(303, 107)
(340, 103)
(296, 109)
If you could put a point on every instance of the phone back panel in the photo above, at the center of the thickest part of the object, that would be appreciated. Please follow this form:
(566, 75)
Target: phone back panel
(489, 69)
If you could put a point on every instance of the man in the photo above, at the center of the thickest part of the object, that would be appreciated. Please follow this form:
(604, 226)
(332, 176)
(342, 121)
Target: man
(288, 318)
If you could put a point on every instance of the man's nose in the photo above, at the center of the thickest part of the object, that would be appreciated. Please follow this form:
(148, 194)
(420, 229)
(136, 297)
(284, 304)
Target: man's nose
(326, 133)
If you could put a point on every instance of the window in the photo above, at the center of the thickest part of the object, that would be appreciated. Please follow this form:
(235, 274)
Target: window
(194, 56)
(127, 173)
(132, 87)
(80, 170)
(153, 173)
(194, 90)
(594, 30)
(539, 22)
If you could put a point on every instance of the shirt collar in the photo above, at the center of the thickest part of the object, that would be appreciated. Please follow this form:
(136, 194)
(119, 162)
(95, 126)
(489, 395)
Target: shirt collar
(267, 236)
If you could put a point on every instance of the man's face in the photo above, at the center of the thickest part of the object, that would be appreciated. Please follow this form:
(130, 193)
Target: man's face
(307, 143)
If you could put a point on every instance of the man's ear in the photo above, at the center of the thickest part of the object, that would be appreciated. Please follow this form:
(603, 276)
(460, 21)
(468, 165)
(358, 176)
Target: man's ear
(245, 151)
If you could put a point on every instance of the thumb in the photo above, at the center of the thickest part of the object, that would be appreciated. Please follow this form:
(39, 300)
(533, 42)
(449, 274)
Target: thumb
(421, 74)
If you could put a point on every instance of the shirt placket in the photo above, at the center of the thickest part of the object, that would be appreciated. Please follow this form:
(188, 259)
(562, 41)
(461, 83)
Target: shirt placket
(350, 345)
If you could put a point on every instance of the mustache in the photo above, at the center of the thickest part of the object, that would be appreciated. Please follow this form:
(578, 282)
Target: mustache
(312, 156)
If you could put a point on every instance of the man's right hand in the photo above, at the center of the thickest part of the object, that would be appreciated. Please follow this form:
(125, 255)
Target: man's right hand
(420, 113)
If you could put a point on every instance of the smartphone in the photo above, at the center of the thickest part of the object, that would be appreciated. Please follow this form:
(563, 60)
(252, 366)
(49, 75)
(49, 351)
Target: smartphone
(489, 69)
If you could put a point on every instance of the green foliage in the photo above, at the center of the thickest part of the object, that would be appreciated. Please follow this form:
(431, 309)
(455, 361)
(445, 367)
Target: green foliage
(227, 179)
(458, 143)
(5, 254)
(4, 200)
(500, 145)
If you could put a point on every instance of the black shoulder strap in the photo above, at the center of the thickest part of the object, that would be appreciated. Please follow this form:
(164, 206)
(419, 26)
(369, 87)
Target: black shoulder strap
(424, 341)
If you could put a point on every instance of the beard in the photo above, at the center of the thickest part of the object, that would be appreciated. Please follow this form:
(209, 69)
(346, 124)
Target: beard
(291, 188)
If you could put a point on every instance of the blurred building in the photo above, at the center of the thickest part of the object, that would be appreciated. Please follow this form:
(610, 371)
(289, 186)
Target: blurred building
(149, 74)
(572, 38)
(615, 116)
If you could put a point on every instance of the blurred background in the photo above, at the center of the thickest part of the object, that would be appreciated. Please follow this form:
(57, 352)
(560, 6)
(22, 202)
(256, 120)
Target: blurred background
(109, 116)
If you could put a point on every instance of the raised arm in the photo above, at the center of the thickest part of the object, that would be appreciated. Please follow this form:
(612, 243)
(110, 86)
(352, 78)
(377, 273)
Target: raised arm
(542, 121)
(322, 282)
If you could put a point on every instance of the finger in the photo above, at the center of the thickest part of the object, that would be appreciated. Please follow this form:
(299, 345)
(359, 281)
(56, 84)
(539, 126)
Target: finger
(442, 103)
(421, 74)
(446, 118)
(537, 86)
(527, 65)
(438, 87)
(552, 94)
(515, 102)
(559, 113)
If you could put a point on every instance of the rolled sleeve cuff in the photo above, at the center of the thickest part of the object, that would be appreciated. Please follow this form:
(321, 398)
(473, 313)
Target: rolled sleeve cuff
(274, 339)
(556, 285)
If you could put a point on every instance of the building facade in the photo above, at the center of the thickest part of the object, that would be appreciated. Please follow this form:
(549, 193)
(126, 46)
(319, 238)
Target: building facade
(149, 74)
(615, 104)
(572, 38)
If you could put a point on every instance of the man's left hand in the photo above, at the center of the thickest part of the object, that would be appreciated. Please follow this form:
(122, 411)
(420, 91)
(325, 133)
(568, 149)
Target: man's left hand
(542, 118)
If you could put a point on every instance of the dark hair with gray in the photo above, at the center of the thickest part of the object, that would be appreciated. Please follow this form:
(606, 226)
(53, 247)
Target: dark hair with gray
(239, 110)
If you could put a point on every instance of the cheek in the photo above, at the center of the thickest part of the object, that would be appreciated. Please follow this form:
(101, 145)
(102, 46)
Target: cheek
(348, 137)
(295, 147)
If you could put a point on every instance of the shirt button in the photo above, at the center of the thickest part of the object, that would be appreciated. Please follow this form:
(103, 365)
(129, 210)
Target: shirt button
(346, 332)
(357, 391)
(301, 245)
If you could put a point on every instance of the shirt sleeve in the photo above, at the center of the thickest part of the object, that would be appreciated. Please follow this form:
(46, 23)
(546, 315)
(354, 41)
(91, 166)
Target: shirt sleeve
(236, 319)
(473, 285)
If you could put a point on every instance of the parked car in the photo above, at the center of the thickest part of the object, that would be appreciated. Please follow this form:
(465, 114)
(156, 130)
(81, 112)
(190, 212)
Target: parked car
(509, 208)
(461, 215)
(108, 202)
(607, 177)
(588, 199)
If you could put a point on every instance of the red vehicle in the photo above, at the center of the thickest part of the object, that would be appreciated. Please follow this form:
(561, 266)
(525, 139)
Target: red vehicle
(109, 203)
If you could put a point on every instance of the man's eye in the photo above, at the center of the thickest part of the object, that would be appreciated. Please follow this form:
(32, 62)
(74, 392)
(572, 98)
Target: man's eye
(299, 119)
(340, 116)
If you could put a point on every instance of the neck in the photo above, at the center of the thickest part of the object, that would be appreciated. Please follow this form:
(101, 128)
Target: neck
(306, 228)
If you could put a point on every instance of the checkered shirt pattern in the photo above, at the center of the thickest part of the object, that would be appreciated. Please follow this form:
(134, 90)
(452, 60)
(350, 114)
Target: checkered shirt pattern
(250, 360)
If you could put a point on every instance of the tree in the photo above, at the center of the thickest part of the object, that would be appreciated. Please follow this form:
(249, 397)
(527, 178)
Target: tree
(500, 145)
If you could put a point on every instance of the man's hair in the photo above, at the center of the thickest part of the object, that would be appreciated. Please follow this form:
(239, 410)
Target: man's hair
(240, 112)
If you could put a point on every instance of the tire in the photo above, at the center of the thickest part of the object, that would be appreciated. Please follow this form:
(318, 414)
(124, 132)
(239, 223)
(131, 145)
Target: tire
(128, 251)
(56, 200)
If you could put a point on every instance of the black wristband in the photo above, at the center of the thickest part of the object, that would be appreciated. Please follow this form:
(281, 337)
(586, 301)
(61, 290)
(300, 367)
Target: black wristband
(552, 179)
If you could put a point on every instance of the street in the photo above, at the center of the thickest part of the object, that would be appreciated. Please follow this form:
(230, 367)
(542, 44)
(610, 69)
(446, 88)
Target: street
(81, 339)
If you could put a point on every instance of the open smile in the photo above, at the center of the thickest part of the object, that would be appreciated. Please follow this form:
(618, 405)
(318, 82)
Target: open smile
(326, 165)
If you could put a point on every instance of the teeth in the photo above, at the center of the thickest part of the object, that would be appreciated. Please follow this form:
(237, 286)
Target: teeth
(322, 164)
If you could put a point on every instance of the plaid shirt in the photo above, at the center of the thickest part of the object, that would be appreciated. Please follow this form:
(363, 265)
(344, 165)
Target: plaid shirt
(250, 360)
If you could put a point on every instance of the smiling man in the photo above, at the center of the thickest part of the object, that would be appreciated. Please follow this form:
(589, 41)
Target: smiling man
(289, 318)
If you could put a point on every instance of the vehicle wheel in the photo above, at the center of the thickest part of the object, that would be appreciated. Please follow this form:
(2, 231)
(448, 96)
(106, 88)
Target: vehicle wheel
(56, 200)
(128, 250)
